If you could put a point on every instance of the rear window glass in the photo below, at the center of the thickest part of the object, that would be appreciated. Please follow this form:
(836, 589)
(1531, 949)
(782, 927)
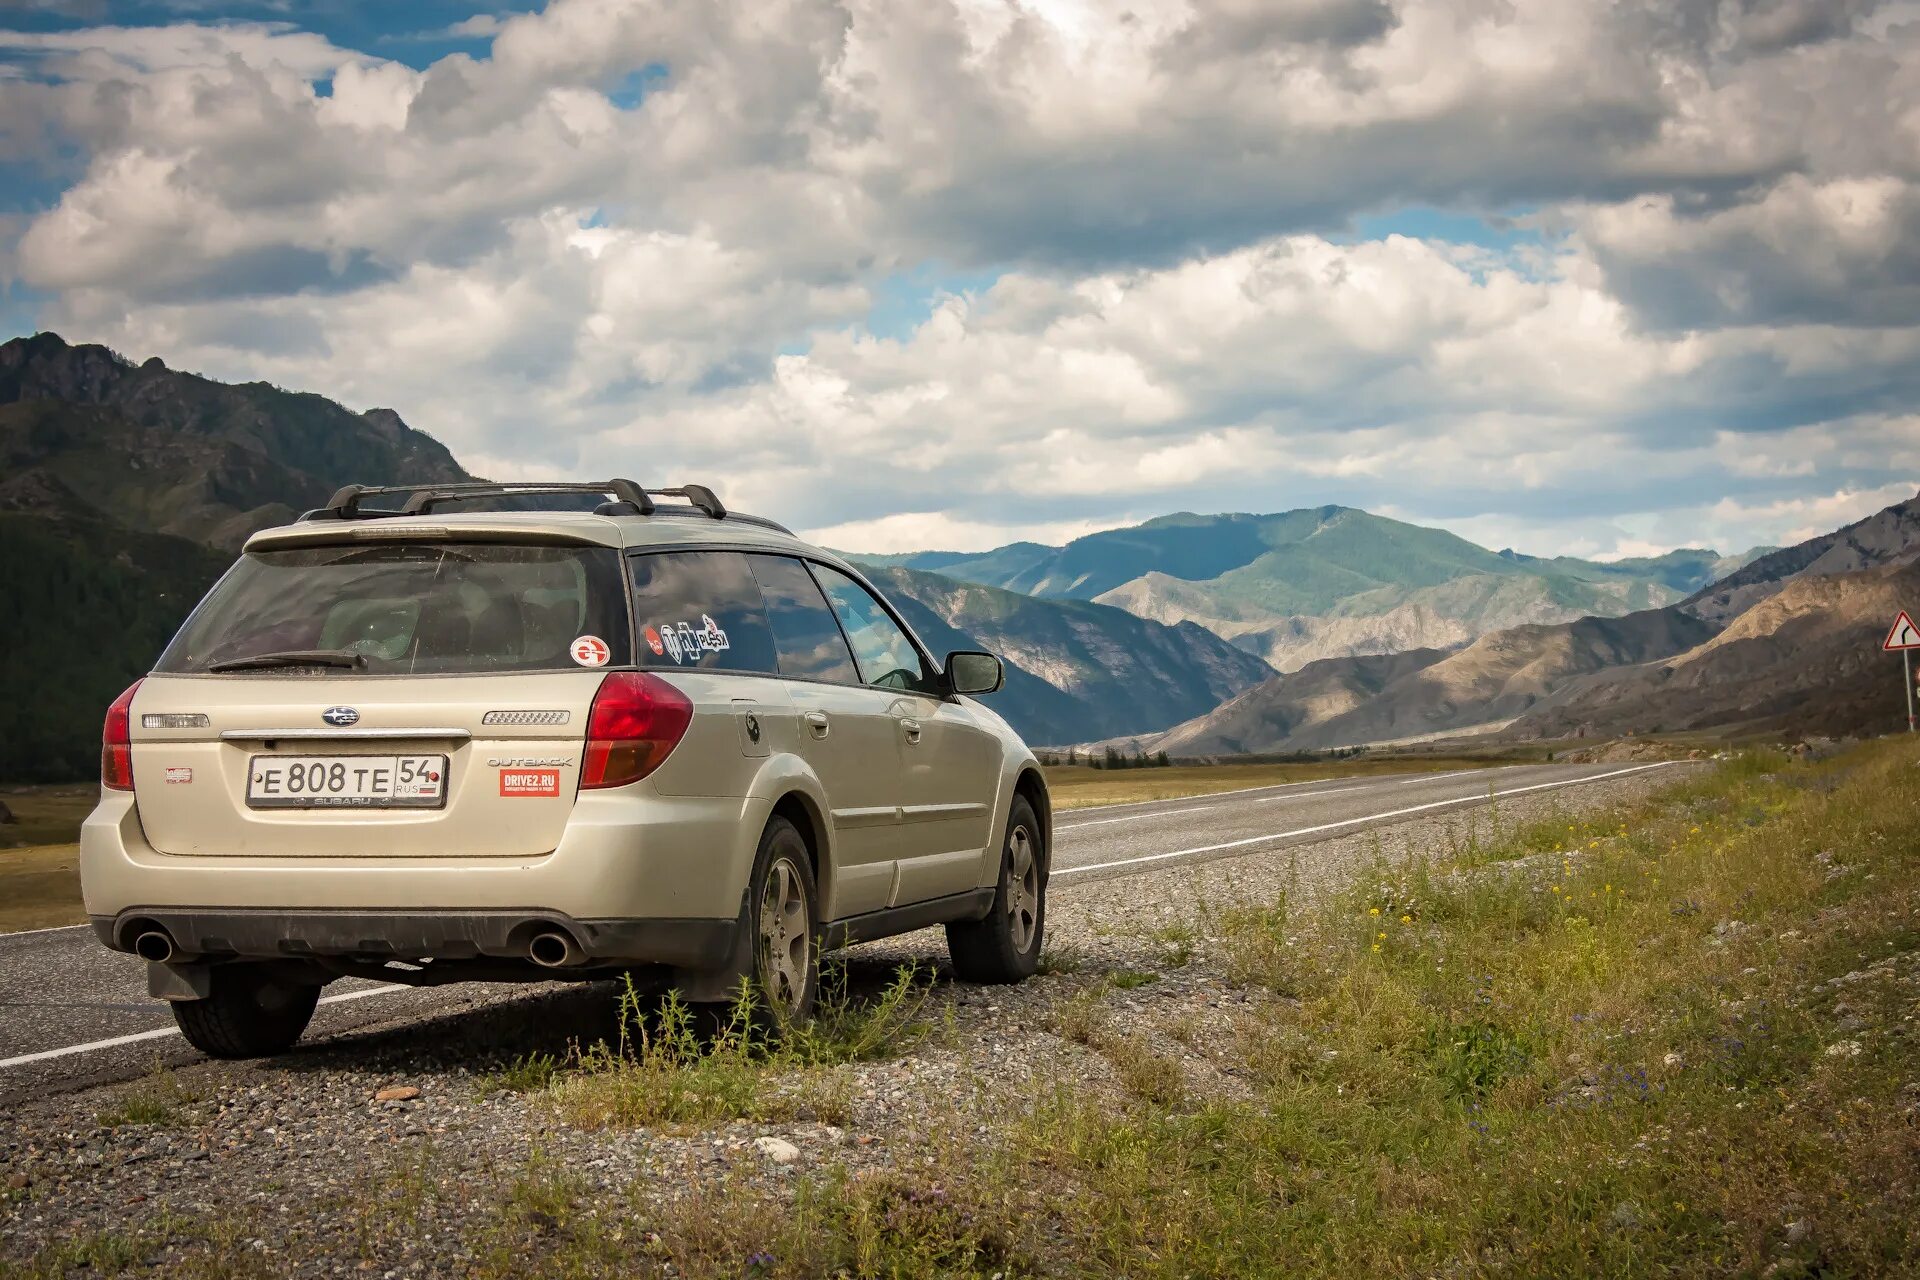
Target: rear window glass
(413, 609)
(811, 646)
(701, 609)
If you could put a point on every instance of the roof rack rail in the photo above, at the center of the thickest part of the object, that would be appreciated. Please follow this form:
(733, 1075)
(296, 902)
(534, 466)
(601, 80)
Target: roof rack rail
(628, 498)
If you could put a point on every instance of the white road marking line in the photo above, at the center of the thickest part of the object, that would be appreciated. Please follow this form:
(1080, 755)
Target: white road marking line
(1435, 777)
(1351, 822)
(95, 1046)
(23, 933)
(1316, 795)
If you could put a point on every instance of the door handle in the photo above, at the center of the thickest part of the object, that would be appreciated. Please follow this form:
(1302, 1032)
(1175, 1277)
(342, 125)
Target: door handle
(817, 723)
(911, 728)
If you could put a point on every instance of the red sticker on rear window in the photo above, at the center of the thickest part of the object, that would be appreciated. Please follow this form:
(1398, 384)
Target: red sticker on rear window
(529, 782)
(654, 642)
(590, 651)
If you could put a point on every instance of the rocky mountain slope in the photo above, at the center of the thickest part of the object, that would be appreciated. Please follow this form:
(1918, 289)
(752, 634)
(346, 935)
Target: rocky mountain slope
(1805, 659)
(1888, 535)
(1279, 709)
(85, 430)
(125, 489)
(1120, 673)
(1790, 639)
(1332, 581)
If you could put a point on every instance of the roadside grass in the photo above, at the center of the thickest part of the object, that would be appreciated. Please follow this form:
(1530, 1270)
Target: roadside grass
(45, 815)
(1081, 786)
(40, 887)
(667, 1069)
(1681, 1047)
(1624, 1057)
(163, 1100)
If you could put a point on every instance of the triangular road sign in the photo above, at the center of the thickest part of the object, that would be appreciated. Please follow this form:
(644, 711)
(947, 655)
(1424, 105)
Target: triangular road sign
(1904, 634)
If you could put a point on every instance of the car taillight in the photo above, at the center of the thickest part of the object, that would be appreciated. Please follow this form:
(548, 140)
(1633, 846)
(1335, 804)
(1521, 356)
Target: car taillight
(116, 742)
(636, 722)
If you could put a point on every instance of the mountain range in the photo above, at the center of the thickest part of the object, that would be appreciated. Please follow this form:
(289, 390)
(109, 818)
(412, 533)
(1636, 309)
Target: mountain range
(1298, 586)
(126, 488)
(1787, 643)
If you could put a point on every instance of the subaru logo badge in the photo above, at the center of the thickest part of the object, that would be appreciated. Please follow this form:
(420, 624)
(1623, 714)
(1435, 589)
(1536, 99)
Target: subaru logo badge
(340, 717)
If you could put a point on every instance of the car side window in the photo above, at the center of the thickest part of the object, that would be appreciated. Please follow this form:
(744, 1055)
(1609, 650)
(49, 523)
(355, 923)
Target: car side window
(701, 610)
(804, 631)
(886, 656)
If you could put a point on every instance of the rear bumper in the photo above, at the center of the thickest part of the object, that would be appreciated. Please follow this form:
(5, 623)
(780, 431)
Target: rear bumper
(635, 875)
(418, 935)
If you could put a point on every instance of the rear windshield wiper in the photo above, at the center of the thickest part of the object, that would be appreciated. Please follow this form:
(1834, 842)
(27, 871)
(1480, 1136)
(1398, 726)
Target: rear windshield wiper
(293, 658)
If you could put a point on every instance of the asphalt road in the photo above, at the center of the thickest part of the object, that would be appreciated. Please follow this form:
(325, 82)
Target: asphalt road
(73, 1014)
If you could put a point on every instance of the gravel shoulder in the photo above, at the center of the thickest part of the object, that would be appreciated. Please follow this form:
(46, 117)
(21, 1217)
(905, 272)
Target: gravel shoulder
(392, 1152)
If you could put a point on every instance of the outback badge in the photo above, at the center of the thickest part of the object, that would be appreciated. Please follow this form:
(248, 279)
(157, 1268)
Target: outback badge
(340, 717)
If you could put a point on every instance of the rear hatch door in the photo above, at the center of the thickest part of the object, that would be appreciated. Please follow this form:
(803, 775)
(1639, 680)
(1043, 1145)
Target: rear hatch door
(405, 699)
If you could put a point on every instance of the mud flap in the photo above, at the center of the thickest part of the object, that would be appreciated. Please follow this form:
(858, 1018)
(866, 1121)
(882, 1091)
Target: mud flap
(179, 981)
(721, 984)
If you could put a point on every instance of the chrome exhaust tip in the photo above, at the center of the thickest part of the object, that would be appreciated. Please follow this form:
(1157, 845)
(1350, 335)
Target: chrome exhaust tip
(555, 949)
(154, 945)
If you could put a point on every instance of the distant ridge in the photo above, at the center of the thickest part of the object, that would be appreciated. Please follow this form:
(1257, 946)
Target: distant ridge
(1786, 641)
(1331, 581)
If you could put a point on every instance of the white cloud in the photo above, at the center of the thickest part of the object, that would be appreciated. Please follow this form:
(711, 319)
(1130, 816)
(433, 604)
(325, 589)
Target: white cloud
(919, 530)
(100, 54)
(480, 24)
(644, 237)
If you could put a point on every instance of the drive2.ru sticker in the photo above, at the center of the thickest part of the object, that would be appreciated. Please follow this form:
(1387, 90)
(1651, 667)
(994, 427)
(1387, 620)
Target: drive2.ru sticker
(529, 782)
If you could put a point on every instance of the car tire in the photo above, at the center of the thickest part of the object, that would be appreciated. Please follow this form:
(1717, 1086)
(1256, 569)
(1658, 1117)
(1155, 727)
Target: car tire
(251, 1013)
(1005, 945)
(783, 923)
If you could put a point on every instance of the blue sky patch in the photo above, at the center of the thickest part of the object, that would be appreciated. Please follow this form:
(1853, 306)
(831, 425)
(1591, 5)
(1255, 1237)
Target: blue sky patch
(903, 301)
(1421, 222)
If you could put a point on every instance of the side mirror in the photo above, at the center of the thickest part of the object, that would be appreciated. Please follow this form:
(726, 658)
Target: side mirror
(973, 672)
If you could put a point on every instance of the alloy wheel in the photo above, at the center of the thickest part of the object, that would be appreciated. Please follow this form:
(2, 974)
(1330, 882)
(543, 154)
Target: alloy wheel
(785, 945)
(1023, 888)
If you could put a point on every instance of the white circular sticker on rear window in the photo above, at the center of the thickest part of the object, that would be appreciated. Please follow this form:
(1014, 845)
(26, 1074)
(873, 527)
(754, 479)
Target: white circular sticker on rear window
(591, 651)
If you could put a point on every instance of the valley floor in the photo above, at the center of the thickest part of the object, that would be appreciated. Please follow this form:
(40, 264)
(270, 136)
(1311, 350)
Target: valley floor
(1644, 1025)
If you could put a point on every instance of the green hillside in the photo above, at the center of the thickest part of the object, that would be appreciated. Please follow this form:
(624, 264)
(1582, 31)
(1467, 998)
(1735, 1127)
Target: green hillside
(92, 606)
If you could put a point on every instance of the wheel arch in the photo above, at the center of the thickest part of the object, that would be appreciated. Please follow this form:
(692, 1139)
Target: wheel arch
(1031, 785)
(803, 811)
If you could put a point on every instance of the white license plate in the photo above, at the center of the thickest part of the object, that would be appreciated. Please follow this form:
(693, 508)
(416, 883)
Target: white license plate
(347, 782)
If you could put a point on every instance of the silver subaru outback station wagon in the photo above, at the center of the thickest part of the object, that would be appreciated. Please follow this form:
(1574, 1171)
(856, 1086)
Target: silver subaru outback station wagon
(421, 744)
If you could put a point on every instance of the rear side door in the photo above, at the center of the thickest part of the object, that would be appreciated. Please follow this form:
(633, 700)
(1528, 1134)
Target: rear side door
(949, 763)
(747, 617)
(846, 733)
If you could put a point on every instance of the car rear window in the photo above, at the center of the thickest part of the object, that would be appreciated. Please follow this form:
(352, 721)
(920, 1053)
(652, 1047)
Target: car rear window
(415, 609)
(701, 610)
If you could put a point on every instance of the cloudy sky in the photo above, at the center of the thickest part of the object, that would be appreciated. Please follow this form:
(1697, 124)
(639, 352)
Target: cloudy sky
(1592, 276)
